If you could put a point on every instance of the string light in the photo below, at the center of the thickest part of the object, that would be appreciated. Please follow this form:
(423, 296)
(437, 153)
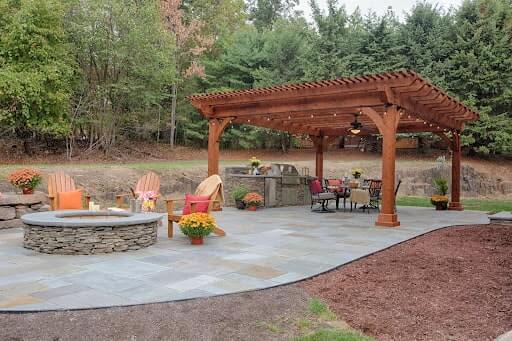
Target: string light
(312, 115)
(334, 114)
(289, 117)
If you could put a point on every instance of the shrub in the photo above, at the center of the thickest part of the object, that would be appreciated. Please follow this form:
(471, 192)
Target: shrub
(239, 193)
(441, 186)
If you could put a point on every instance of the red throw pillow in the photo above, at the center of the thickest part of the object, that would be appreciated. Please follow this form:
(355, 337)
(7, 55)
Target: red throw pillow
(71, 200)
(202, 203)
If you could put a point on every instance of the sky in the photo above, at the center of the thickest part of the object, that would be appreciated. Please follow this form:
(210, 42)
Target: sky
(379, 6)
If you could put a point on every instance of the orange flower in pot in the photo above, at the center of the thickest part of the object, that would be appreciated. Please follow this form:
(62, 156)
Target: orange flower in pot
(25, 179)
(253, 200)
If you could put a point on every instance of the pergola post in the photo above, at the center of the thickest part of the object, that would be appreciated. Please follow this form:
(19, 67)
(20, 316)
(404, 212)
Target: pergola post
(455, 147)
(215, 129)
(387, 125)
(455, 203)
(318, 142)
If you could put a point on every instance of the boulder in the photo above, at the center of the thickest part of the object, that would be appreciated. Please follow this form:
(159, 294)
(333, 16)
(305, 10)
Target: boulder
(9, 224)
(7, 212)
(21, 211)
(22, 199)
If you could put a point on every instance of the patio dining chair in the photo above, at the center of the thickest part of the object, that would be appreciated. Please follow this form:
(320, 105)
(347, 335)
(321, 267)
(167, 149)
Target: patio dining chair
(375, 194)
(320, 195)
(339, 191)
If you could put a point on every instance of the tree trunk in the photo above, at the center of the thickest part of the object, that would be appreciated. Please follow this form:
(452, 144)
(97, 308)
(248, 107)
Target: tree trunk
(172, 139)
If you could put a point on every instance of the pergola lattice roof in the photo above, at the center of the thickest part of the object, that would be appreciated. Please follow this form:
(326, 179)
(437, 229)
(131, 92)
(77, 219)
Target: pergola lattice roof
(327, 107)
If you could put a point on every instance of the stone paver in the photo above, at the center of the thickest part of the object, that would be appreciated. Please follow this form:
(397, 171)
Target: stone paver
(262, 249)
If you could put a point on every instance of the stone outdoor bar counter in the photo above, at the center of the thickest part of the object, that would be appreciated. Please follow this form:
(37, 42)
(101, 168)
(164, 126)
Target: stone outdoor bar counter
(281, 186)
(87, 232)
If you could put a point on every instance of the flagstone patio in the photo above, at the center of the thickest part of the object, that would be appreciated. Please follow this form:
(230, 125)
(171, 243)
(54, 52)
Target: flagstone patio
(262, 249)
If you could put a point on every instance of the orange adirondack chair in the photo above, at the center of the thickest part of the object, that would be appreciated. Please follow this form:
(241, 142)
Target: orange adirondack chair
(211, 186)
(147, 183)
(61, 182)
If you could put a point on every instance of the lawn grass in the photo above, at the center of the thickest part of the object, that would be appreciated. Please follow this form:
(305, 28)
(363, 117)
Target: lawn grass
(321, 310)
(151, 165)
(487, 205)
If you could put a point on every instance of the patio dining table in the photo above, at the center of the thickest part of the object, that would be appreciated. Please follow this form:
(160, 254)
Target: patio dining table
(343, 190)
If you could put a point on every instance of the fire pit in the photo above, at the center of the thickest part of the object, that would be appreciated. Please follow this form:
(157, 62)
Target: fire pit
(88, 232)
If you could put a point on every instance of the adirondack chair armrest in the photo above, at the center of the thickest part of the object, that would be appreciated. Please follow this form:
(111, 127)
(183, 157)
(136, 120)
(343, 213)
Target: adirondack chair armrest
(51, 198)
(120, 199)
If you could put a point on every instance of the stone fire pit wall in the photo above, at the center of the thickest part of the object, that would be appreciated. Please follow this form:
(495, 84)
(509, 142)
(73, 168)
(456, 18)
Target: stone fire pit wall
(13, 206)
(86, 232)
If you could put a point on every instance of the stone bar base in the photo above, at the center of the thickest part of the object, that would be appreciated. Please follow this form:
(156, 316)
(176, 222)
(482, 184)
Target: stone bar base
(89, 240)
(455, 206)
(387, 220)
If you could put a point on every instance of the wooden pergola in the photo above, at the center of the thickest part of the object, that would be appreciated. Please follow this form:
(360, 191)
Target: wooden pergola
(388, 103)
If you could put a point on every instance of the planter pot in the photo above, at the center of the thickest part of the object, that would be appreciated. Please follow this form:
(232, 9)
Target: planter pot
(252, 208)
(240, 204)
(441, 206)
(27, 190)
(196, 240)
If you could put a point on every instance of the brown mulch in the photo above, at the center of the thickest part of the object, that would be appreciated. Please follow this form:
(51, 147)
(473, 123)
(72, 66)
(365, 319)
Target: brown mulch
(452, 284)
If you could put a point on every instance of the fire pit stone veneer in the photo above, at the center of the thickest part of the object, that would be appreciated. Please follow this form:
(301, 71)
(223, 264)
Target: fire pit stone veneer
(86, 232)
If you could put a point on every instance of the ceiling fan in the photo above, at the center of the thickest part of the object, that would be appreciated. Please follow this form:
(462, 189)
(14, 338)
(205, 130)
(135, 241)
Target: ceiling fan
(356, 125)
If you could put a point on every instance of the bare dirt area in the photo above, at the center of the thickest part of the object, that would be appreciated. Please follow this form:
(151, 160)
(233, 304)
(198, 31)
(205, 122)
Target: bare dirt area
(235, 317)
(452, 284)
(181, 169)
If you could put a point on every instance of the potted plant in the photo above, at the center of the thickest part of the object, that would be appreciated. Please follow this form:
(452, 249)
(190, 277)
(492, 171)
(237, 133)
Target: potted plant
(25, 179)
(254, 163)
(238, 195)
(357, 172)
(440, 200)
(253, 200)
(196, 226)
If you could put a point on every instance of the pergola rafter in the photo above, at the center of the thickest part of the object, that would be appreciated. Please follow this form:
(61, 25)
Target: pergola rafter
(387, 104)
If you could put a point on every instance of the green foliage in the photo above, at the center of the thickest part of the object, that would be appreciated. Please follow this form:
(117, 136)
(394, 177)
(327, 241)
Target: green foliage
(35, 67)
(99, 70)
(334, 335)
(320, 309)
(239, 192)
(124, 56)
(487, 205)
(441, 186)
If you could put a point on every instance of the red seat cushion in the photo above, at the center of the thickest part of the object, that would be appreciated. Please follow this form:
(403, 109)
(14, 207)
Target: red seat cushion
(202, 203)
(71, 200)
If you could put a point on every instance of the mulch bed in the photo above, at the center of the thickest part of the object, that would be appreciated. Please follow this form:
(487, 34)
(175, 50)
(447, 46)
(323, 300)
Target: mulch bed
(452, 284)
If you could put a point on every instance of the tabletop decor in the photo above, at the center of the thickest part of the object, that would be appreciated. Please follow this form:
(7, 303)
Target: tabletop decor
(253, 200)
(196, 226)
(357, 172)
(254, 163)
(26, 179)
(440, 199)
